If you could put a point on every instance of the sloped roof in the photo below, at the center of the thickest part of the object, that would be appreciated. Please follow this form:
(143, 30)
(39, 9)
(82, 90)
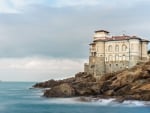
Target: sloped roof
(102, 31)
(118, 38)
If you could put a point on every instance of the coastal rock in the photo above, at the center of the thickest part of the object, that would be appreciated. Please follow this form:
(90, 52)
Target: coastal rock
(62, 90)
(128, 84)
(87, 88)
(82, 76)
(51, 83)
(47, 84)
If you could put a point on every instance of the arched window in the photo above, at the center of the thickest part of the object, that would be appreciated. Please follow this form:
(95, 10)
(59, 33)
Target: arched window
(123, 57)
(120, 58)
(117, 48)
(124, 47)
(110, 58)
(117, 57)
(110, 48)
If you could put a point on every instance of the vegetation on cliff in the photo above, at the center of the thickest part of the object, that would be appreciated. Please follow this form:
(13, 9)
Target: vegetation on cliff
(129, 84)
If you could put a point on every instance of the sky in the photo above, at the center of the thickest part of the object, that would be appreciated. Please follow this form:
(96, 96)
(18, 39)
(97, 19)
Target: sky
(48, 39)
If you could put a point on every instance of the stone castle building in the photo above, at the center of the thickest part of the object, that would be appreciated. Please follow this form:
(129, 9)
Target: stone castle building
(113, 53)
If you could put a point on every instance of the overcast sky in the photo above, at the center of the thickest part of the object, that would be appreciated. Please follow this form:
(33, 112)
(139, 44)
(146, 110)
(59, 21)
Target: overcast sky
(44, 39)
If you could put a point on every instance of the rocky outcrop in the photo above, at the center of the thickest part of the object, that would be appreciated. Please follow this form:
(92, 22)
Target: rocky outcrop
(52, 83)
(62, 90)
(132, 84)
(129, 84)
(80, 85)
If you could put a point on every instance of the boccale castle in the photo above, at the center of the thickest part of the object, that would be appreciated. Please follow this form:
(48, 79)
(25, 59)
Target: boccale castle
(110, 54)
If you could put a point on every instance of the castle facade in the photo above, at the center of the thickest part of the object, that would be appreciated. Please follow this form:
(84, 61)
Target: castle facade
(110, 54)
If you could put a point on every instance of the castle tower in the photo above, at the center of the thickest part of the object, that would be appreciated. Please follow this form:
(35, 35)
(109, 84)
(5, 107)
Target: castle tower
(144, 50)
(138, 50)
(97, 53)
(134, 52)
(100, 35)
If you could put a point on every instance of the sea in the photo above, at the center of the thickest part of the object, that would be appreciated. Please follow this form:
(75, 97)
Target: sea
(19, 97)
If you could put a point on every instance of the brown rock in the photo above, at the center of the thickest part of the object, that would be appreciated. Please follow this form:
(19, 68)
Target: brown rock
(47, 84)
(82, 76)
(109, 93)
(130, 84)
(62, 90)
(87, 88)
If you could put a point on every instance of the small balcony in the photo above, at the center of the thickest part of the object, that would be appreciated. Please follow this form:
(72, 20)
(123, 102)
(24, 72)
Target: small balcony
(93, 53)
(92, 49)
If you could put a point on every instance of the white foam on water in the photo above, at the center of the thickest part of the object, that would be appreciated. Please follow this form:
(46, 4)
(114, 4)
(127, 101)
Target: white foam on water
(126, 103)
(63, 101)
(78, 100)
(135, 103)
(106, 101)
(98, 102)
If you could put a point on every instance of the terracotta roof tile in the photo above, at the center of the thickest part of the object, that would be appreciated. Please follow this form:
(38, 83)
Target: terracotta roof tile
(117, 38)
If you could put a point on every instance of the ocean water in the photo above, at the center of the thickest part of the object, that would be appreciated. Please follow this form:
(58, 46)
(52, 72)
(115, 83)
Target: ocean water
(16, 97)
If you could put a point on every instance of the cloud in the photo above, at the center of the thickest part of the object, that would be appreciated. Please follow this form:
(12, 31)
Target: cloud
(18, 6)
(59, 30)
(5, 7)
(15, 6)
(43, 34)
(38, 69)
(66, 32)
(66, 3)
(97, 3)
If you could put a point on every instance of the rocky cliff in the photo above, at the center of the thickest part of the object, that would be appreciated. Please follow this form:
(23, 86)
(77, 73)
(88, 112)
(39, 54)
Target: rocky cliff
(129, 84)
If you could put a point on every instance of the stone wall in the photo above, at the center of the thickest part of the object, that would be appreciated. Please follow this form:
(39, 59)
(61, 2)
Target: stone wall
(144, 50)
(91, 67)
(116, 66)
(99, 66)
(86, 68)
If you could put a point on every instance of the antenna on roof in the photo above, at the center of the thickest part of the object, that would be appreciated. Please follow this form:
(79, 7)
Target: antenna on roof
(124, 33)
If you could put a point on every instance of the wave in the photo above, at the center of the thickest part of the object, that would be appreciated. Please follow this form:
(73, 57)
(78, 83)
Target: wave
(92, 101)
(98, 102)
(136, 103)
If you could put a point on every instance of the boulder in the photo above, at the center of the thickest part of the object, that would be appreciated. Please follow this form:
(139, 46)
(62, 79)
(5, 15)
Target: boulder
(62, 90)
(87, 88)
(47, 84)
(82, 76)
(51, 83)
